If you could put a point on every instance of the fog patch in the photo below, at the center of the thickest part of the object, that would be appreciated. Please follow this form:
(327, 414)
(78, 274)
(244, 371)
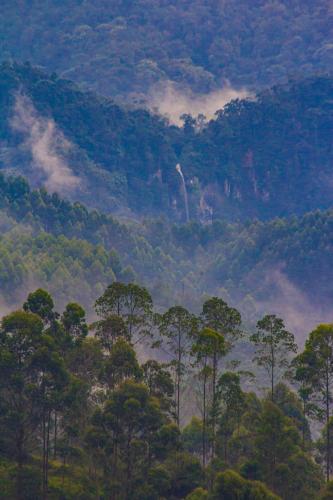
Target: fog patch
(46, 144)
(168, 100)
(5, 308)
(299, 313)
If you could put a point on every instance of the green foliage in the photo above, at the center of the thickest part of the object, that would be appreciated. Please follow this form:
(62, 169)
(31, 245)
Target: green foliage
(300, 478)
(274, 344)
(96, 249)
(192, 436)
(276, 440)
(198, 494)
(315, 372)
(226, 320)
(40, 302)
(81, 419)
(133, 303)
(67, 267)
(246, 174)
(74, 322)
(185, 472)
(110, 329)
(327, 492)
(231, 486)
(122, 48)
(229, 407)
(177, 328)
(158, 379)
(121, 364)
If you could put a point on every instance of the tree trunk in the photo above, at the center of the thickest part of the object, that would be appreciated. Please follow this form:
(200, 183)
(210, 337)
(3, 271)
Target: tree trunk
(20, 459)
(178, 378)
(303, 425)
(44, 454)
(273, 367)
(47, 453)
(204, 424)
(328, 433)
(214, 403)
(55, 435)
(129, 467)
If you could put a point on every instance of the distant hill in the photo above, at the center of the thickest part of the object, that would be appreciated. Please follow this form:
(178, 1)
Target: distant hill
(48, 124)
(282, 266)
(264, 157)
(267, 157)
(119, 47)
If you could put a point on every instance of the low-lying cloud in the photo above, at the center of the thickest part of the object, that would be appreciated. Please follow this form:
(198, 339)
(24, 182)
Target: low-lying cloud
(171, 102)
(46, 144)
(290, 303)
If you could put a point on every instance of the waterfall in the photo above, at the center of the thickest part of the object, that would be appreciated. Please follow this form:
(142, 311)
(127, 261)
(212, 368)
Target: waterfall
(179, 170)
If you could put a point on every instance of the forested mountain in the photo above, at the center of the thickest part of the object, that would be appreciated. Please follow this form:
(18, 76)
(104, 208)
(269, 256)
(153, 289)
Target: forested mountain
(264, 157)
(119, 47)
(166, 242)
(75, 253)
(112, 153)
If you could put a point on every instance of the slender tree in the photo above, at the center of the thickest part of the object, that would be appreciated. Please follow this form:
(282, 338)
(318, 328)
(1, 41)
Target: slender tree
(21, 334)
(274, 346)
(126, 428)
(32, 379)
(41, 303)
(275, 442)
(73, 320)
(208, 345)
(121, 364)
(109, 330)
(159, 381)
(177, 327)
(230, 398)
(315, 371)
(219, 316)
(133, 303)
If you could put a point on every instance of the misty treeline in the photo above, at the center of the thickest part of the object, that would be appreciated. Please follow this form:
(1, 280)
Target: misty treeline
(74, 252)
(244, 164)
(147, 404)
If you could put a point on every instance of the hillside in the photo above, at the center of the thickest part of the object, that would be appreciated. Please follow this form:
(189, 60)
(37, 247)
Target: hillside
(282, 265)
(264, 157)
(121, 47)
(166, 243)
(79, 143)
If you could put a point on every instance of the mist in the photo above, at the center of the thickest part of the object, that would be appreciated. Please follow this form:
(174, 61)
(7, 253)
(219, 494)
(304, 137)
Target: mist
(169, 101)
(46, 144)
(299, 313)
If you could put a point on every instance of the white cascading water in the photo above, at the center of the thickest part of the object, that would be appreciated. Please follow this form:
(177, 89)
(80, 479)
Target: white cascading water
(179, 170)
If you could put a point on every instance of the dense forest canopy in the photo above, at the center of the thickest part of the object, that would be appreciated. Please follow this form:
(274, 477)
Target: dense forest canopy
(121, 47)
(74, 252)
(264, 157)
(166, 242)
(150, 408)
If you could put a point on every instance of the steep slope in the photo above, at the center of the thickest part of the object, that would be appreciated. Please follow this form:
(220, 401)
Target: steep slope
(55, 134)
(119, 47)
(264, 157)
(268, 157)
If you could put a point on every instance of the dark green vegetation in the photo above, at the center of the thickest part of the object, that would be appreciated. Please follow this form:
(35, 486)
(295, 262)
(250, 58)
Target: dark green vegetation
(46, 241)
(87, 417)
(170, 392)
(264, 158)
(119, 47)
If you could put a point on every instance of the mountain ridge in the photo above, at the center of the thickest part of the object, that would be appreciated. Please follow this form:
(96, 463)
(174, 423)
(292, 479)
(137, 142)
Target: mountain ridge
(264, 157)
